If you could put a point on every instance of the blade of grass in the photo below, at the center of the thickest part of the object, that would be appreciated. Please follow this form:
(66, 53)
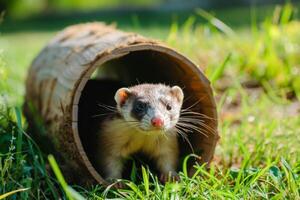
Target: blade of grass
(172, 37)
(13, 192)
(133, 175)
(291, 178)
(145, 180)
(220, 70)
(70, 193)
(187, 29)
(254, 28)
(287, 12)
(215, 22)
(39, 163)
(135, 189)
(20, 134)
(185, 163)
(59, 175)
(74, 193)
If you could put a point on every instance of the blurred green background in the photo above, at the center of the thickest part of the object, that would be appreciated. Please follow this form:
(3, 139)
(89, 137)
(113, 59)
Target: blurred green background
(25, 8)
(53, 14)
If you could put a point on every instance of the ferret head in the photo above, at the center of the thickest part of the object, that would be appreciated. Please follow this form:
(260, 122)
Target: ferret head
(150, 107)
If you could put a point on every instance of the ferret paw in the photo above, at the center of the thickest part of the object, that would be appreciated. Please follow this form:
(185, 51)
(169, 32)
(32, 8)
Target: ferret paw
(170, 177)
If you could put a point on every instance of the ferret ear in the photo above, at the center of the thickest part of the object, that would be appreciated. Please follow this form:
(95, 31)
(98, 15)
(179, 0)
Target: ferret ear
(177, 92)
(122, 95)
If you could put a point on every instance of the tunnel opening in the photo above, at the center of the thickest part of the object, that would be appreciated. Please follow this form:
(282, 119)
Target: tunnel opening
(142, 66)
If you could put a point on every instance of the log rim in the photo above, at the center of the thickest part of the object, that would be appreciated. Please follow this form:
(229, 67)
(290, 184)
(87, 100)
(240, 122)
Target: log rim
(115, 53)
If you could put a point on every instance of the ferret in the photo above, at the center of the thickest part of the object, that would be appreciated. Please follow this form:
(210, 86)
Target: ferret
(145, 121)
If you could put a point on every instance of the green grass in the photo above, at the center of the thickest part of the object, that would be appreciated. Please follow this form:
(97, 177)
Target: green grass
(255, 71)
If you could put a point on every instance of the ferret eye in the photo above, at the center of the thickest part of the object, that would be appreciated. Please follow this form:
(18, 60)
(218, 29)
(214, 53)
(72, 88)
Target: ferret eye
(140, 107)
(168, 106)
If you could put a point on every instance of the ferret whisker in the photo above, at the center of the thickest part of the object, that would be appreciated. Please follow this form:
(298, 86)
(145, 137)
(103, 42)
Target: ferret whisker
(185, 99)
(103, 114)
(185, 129)
(191, 129)
(110, 109)
(193, 113)
(107, 107)
(198, 128)
(197, 102)
(190, 123)
(208, 128)
(199, 131)
(128, 126)
(187, 124)
(191, 119)
(199, 123)
(181, 133)
(165, 136)
(190, 110)
(129, 123)
(196, 116)
(132, 121)
(124, 121)
(195, 123)
(184, 136)
(193, 105)
(190, 126)
(192, 116)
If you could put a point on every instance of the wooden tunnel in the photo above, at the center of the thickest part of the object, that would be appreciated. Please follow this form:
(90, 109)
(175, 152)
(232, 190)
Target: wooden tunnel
(57, 92)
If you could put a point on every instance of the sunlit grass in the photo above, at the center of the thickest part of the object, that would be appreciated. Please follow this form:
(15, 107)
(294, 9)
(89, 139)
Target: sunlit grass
(268, 52)
(256, 158)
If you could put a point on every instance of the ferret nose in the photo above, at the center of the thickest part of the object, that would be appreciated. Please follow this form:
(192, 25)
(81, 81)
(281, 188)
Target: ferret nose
(157, 122)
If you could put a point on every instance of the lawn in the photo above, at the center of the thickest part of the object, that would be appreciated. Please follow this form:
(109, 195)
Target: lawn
(255, 71)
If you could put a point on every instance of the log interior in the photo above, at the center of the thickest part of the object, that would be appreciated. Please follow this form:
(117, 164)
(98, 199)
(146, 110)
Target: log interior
(144, 66)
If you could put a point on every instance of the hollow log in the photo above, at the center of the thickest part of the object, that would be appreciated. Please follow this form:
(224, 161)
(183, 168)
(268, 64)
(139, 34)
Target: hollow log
(58, 77)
